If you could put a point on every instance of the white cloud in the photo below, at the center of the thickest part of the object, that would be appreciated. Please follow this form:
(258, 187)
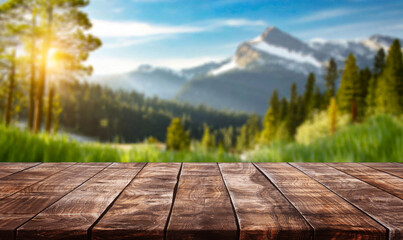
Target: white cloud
(326, 14)
(106, 29)
(111, 29)
(116, 65)
(237, 23)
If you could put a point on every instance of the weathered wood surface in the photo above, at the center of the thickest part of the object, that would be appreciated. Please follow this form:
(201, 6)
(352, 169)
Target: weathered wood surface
(379, 179)
(330, 216)
(24, 205)
(7, 168)
(263, 213)
(382, 206)
(201, 201)
(143, 208)
(202, 207)
(72, 216)
(391, 168)
(20, 180)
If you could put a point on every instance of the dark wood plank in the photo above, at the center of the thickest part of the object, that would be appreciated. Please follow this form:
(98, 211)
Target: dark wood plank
(28, 202)
(382, 180)
(9, 168)
(380, 205)
(142, 210)
(73, 215)
(391, 168)
(263, 212)
(202, 207)
(16, 182)
(330, 216)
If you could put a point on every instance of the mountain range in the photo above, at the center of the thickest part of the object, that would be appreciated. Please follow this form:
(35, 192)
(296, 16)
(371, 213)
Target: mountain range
(245, 81)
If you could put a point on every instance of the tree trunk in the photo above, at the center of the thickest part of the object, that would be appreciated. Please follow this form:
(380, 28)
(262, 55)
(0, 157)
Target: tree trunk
(49, 113)
(31, 106)
(42, 74)
(10, 92)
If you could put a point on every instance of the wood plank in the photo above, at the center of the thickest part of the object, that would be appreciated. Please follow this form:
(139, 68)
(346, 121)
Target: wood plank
(391, 168)
(142, 211)
(25, 204)
(382, 180)
(73, 215)
(263, 212)
(330, 216)
(382, 206)
(9, 168)
(202, 207)
(16, 182)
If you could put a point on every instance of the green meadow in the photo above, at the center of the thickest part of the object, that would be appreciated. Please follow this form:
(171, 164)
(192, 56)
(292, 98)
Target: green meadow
(378, 139)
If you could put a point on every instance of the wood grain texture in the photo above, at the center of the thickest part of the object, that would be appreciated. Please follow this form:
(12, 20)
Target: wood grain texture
(330, 216)
(73, 215)
(382, 206)
(395, 169)
(142, 210)
(379, 179)
(16, 182)
(8, 168)
(30, 201)
(262, 211)
(202, 208)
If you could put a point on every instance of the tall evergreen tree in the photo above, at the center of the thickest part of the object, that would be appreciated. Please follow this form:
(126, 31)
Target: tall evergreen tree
(271, 120)
(207, 141)
(349, 91)
(317, 98)
(283, 110)
(307, 105)
(64, 27)
(332, 111)
(379, 62)
(365, 76)
(177, 138)
(379, 66)
(389, 92)
(292, 115)
(331, 77)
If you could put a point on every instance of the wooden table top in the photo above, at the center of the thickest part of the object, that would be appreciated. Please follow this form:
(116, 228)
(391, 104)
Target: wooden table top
(201, 201)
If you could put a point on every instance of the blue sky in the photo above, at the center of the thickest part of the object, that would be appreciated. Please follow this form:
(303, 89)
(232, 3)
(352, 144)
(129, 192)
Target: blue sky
(184, 33)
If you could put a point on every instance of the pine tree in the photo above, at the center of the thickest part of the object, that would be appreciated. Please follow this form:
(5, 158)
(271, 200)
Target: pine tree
(207, 141)
(379, 66)
(292, 115)
(379, 62)
(283, 109)
(64, 26)
(331, 76)
(271, 119)
(242, 141)
(332, 110)
(307, 105)
(253, 129)
(389, 94)
(317, 98)
(177, 138)
(365, 76)
(349, 91)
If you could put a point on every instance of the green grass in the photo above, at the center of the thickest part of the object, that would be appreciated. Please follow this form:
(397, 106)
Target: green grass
(378, 139)
(21, 146)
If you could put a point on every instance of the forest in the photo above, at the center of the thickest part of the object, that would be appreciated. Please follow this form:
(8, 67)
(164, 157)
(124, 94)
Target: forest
(44, 46)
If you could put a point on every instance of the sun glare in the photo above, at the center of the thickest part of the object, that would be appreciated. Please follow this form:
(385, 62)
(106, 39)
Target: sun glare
(53, 61)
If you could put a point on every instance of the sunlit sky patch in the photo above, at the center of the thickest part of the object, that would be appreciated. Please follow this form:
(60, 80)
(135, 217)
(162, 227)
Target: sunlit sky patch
(184, 33)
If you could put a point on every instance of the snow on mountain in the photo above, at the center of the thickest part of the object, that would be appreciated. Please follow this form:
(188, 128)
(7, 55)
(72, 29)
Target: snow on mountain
(287, 54)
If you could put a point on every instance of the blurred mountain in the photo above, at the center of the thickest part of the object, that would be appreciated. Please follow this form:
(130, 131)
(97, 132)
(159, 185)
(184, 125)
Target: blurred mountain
(245, 81)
